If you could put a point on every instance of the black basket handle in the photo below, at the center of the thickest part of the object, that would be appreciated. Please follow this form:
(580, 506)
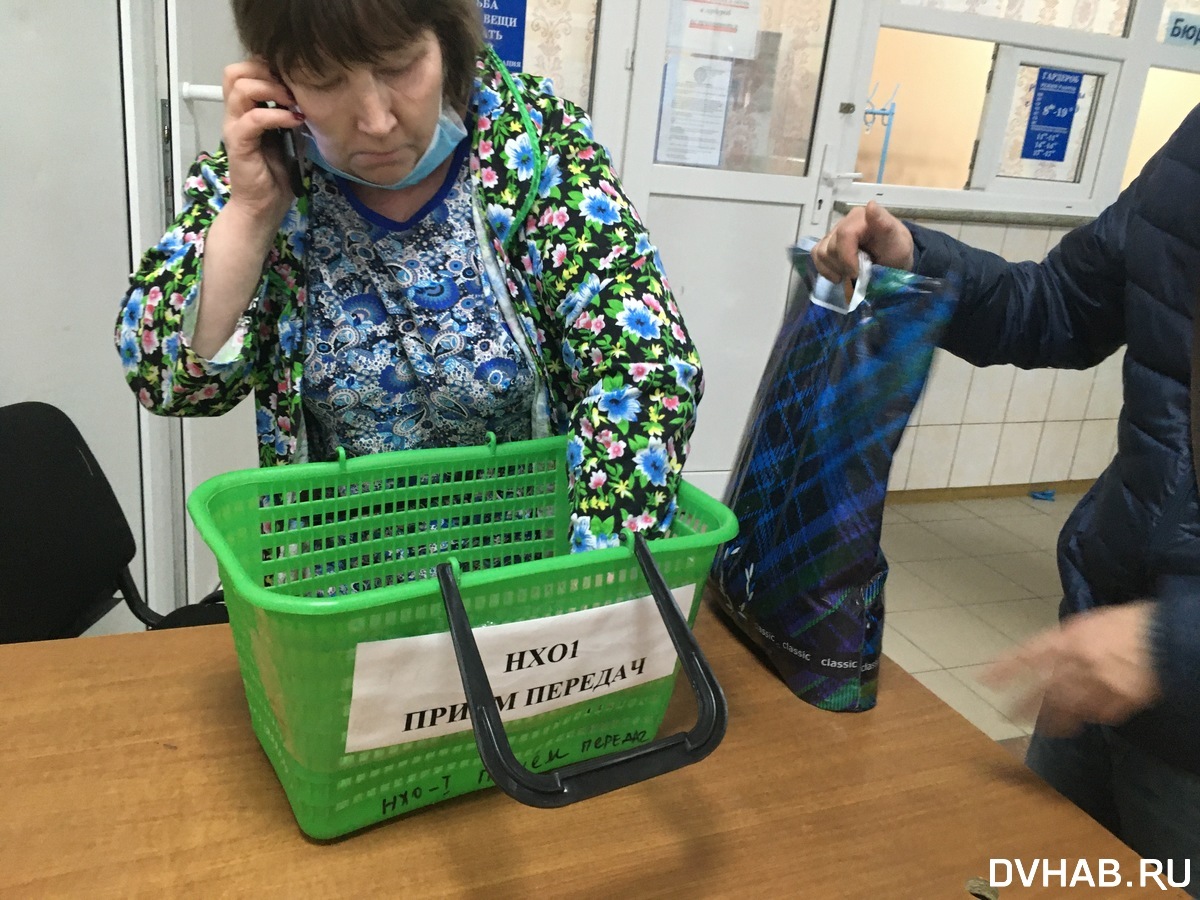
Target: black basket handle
(589, 778)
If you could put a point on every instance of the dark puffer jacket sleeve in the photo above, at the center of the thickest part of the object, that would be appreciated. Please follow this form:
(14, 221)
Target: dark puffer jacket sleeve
(1068, 311)
(1064, 312)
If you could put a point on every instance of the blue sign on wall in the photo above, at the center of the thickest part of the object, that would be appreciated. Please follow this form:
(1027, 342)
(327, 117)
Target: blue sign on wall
(504, 29)
(1055, 97)
(1185, 30)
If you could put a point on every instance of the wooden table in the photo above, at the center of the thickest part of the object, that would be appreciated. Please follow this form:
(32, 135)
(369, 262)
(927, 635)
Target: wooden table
(128, 767)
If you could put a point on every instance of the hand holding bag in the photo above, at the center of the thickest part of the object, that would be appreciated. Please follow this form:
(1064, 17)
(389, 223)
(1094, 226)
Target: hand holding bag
(804, 578)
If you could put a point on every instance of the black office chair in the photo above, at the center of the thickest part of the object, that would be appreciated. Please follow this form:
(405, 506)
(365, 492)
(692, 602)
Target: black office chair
(65, 545)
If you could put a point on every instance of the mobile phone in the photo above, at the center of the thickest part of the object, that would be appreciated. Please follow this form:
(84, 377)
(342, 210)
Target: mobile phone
(284, 141)
(291, 160)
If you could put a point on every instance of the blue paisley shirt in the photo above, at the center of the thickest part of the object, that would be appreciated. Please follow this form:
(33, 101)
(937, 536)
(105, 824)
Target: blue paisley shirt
(405, 346)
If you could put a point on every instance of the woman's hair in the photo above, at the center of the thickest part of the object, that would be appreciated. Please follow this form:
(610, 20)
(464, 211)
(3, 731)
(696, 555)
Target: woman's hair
(312, 34)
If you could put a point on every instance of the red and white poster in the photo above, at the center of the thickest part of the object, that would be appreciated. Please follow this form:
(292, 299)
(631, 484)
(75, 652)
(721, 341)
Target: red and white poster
(725, 28)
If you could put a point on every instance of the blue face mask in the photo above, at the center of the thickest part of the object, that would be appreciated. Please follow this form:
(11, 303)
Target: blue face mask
(449, 133)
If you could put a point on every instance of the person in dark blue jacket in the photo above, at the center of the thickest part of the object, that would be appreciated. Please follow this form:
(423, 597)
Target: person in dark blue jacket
(1119, 727)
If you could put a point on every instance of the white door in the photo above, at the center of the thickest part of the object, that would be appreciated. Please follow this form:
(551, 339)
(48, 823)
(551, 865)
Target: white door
(731, 155)
(584, 52)
(64, 245)
(201, 41)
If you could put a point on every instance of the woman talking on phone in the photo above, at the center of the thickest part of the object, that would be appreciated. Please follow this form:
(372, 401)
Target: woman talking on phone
(450, 255)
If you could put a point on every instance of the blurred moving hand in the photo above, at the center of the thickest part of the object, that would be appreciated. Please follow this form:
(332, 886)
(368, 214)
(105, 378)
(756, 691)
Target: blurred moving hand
(1094, 668)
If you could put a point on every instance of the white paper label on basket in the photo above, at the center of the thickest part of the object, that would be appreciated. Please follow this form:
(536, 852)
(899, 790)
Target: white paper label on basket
(408, 689)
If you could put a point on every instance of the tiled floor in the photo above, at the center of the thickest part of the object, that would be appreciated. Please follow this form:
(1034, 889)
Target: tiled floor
(970, 579)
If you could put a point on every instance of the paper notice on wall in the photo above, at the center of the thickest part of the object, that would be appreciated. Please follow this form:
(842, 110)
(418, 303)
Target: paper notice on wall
(695, 101)
(409, 689)
(727, 28)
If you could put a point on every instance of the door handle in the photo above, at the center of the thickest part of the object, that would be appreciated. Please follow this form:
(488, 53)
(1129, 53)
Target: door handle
(832, 178)
(209, 92)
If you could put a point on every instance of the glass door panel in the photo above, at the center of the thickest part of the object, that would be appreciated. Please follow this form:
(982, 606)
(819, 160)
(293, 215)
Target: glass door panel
(1038, 123)
(741, 84)
(919, 126)
(1169, 96)
(1056, 151)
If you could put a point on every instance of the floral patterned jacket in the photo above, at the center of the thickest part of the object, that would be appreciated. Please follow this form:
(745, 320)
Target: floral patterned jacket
(621, 376)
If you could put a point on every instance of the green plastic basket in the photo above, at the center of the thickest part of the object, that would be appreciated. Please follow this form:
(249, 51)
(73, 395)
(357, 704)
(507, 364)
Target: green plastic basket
(316, 559)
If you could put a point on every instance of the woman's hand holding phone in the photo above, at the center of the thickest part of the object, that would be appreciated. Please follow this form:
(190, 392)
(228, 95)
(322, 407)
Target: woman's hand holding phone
(261, 185)
(260, 194)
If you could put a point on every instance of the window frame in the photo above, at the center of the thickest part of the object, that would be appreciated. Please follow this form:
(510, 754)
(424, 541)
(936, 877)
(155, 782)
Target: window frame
(1126, 62)
(993, 126)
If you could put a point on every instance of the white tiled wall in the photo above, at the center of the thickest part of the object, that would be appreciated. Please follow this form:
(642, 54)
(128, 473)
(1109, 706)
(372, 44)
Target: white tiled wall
(1002, 425)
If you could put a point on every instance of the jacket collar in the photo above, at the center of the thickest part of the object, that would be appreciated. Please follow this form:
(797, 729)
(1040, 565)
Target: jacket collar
(507, 140)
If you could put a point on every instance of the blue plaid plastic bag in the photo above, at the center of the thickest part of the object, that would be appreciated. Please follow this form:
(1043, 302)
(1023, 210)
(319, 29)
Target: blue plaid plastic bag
(804, 578)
